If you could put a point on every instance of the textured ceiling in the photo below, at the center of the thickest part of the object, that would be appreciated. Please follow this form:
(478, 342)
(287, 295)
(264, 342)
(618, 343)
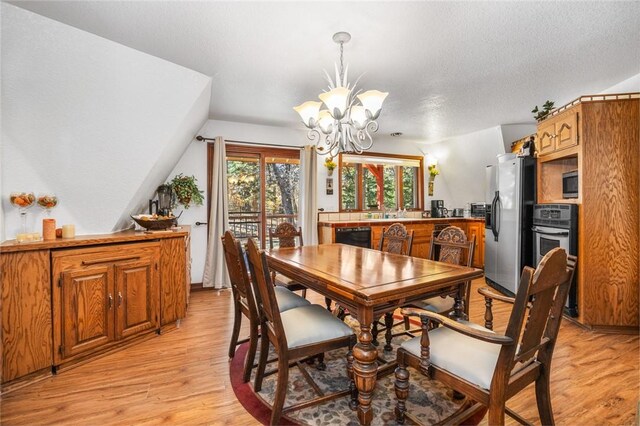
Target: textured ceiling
(450, 67)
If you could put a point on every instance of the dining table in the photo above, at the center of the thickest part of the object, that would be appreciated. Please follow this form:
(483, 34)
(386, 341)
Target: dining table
(369, 283)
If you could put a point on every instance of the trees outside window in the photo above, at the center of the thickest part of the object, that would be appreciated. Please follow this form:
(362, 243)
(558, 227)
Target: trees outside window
(380, 181)
(262, 189)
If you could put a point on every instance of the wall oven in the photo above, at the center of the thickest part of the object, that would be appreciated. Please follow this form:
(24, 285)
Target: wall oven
(556, 225)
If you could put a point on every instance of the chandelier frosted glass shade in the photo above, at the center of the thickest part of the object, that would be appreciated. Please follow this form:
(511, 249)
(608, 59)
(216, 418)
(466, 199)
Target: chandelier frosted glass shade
(350, 116)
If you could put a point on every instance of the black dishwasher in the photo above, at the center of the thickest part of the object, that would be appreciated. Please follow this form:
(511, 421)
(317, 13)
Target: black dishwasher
(357, 236)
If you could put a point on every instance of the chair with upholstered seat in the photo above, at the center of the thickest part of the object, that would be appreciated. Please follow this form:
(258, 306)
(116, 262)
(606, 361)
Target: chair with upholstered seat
(295, 334)
(286, 235)
(488, 367)
(244, 300)
(451, 246)
(396, 240)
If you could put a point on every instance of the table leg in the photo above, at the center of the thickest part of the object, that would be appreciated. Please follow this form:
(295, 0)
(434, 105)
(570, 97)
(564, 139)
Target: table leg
(458, 306)
(365, 368)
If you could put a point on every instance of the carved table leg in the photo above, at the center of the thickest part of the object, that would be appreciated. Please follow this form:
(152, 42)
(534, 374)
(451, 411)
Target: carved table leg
(365, 368)
(458, 306)
(388, 335)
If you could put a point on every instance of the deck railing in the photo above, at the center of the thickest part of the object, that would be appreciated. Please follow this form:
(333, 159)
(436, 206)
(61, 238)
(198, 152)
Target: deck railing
(245, 225)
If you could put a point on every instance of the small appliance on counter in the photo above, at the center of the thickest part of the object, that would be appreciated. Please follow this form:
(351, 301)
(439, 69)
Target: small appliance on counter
(458, 213)
(478, 209)
(164, 201)
(438, 209)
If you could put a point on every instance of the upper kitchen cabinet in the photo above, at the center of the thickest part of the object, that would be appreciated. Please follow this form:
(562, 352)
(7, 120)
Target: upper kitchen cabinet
(597, 138)
(559, 132)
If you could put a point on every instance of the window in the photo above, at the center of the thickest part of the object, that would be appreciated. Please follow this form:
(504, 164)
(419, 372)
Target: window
(262, 189)
(380, 181)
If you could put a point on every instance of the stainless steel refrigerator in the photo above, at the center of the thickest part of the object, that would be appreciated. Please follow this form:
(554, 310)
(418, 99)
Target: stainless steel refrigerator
(510, 196)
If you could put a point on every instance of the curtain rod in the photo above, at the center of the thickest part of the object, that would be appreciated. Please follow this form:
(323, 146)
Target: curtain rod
(202, 138)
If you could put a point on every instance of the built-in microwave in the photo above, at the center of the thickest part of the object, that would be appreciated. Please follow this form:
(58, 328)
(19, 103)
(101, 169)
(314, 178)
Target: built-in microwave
(570, 184)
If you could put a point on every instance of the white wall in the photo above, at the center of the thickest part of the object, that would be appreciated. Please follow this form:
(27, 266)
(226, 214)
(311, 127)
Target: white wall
(632, 84)
(462, 161)
(97, 123)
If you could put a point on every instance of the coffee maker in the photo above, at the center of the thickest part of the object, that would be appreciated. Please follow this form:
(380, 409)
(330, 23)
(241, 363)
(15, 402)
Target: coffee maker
(164, 201)
(438, 209)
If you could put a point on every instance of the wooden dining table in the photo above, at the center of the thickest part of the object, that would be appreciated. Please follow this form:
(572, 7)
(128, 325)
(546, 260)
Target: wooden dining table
(368, 283)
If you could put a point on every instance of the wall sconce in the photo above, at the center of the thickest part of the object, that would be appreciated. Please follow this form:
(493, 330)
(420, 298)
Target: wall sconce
(432, 167)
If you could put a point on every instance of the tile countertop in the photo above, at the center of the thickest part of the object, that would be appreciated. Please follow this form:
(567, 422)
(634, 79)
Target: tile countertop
(406, 221)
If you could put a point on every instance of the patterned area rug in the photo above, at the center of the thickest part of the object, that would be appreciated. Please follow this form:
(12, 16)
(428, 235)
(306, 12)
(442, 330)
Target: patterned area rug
(429, 401)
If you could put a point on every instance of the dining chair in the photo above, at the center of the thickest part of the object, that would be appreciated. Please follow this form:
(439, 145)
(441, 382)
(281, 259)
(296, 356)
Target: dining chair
(286, 234)
(295, 334)
(488, 367)
(244, 300)
(396, 240)
(450, 245)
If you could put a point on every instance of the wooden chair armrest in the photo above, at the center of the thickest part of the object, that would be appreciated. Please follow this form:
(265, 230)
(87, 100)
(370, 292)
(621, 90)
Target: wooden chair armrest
(487, 292)
(460, 327)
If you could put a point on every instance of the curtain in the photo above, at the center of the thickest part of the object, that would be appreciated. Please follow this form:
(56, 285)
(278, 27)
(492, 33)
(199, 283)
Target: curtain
(215, 269)
(308, 214)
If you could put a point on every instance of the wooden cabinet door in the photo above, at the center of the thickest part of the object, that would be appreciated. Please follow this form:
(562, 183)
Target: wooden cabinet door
(136, 296)
(87, 309)
(173, 294)
(476, 230)
(546, 138)
(25, 298)
(566, 130)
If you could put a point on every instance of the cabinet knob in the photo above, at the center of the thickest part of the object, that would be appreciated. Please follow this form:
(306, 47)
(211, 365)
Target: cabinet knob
(119, 299)
(110, 301)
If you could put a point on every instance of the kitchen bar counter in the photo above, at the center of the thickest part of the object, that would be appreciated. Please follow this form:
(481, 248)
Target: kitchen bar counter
(422, 228)
(405, 221)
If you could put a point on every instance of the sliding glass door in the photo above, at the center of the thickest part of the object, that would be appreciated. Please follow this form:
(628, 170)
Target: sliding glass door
(263, 190)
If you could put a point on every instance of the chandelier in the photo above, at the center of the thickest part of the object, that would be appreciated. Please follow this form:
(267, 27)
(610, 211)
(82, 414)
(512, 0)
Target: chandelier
(350, 117)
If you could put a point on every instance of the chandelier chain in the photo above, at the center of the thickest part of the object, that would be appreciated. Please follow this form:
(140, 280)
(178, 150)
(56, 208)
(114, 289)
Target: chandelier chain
(342, 61)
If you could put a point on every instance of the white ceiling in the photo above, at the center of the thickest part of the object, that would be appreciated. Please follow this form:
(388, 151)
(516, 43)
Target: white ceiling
(450, 67)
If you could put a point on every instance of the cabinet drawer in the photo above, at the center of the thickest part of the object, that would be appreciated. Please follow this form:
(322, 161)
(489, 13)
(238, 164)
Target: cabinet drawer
(79, 258)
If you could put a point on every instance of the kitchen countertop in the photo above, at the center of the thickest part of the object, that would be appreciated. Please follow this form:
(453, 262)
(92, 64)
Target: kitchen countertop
(406, 221)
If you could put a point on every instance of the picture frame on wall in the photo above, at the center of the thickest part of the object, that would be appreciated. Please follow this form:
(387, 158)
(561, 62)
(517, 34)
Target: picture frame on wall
(329, 186)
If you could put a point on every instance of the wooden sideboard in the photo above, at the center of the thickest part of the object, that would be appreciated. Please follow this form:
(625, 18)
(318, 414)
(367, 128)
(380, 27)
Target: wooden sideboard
(70, 299)
(422, 228)
(599, 136)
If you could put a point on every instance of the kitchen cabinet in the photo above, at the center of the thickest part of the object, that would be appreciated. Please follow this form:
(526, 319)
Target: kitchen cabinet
(174, 279)
(70, 299)
(477, 229)
(559, 132)
(104, 295)
(607, 159)
(26, 313)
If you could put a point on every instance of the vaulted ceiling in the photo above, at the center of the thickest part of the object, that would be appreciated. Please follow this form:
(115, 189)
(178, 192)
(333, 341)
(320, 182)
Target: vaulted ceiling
(450, 67)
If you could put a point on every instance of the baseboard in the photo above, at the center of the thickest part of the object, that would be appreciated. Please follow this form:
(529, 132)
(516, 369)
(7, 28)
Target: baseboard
(199, 287)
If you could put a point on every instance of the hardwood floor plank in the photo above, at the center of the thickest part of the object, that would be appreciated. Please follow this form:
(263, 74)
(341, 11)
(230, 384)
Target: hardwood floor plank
(182, 377)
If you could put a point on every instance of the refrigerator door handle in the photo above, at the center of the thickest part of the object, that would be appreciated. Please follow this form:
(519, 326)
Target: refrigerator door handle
(498, 215)
(494, 212)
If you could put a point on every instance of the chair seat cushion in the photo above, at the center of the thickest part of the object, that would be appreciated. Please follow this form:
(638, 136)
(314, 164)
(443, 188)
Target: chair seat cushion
(471, 359)
(435, 304)
(288, 300)
(312, 324)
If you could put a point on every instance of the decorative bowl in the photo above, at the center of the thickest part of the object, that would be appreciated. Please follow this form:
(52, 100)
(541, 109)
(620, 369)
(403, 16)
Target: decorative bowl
(155, 222)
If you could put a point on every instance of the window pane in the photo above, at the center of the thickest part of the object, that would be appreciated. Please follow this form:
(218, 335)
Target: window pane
(410, 187)
(243, 187)
(370, 186)
(390, 187)
(282, 190)
(349, 186)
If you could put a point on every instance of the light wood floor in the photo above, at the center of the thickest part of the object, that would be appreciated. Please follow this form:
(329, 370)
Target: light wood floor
(182, 377)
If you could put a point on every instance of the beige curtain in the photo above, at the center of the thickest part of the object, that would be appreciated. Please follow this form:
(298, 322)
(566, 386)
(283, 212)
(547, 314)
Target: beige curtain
(215, 269)
(308, 214)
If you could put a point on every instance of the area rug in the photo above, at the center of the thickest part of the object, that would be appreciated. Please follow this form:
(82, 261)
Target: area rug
(429, 401)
